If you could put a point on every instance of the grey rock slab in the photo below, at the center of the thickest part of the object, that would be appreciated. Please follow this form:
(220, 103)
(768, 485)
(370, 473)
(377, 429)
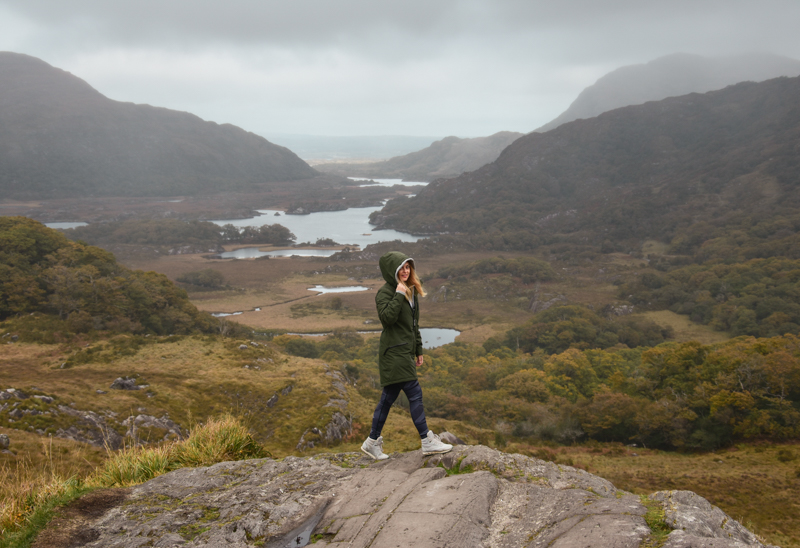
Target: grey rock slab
(365, 535)
(609, 531)
(681, 539)
(228, 504)
(452, 511)
(517, 467)
(535, 515)
(365, 493)
(694, 518)
(496, 501)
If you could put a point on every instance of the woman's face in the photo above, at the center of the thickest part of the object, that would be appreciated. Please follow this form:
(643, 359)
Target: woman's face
(403, 273)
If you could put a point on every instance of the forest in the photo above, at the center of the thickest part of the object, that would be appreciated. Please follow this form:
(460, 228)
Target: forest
(83, 288)
(671, 396)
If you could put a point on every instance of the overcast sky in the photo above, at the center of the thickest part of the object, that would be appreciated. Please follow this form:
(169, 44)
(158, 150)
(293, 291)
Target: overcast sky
(378, 67)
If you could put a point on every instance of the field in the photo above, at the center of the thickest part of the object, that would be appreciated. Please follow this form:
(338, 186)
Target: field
(190, 379)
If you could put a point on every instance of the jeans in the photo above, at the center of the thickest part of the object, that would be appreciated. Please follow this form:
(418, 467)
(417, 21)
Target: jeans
(414, 394)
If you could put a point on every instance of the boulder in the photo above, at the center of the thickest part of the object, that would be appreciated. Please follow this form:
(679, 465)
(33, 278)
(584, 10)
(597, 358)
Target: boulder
(473, 496)
(89, 427)
(125, 383)
(452, 439)
(5, 442)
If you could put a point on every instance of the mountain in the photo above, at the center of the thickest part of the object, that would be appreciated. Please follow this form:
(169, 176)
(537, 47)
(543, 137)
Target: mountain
(646, 171)
(328, 148)
(61, 138)
(671, 76)
(448, 157)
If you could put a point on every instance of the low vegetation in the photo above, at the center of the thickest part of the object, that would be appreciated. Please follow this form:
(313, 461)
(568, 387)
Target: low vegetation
(671, 396)
(30, 495)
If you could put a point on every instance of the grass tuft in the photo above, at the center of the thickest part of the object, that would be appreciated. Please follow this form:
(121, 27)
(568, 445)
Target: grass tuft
(29, 497)
(218, 440)
(31, 494)
(457, 469)
(656, 521)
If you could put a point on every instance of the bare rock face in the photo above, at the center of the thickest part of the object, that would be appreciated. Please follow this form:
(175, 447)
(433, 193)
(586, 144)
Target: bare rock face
(695, 521)
(472, 496)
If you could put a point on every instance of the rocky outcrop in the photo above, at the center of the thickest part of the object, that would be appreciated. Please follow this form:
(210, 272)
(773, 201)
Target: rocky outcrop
(472, 496)
(127, 383)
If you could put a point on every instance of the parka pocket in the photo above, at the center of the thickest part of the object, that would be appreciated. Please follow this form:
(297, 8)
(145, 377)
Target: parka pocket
(394, 346)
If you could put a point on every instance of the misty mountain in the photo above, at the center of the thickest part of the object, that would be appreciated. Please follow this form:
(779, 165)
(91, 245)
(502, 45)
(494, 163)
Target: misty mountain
(726, 157)
(321, 148)
(59, 138)
(448, 157)
(671, 76)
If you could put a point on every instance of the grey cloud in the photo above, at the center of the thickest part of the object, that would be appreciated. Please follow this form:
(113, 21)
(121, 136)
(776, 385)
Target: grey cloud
(467, 67)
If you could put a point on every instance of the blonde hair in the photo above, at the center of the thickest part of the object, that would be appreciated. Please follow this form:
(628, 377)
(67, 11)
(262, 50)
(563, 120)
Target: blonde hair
(413, 284)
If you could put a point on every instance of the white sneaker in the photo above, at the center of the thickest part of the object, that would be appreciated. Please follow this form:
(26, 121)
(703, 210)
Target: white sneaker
(374, 448)
(432, 445)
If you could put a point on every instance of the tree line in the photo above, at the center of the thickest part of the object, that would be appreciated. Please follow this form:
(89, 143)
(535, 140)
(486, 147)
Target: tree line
(176, 232)
(84, 287)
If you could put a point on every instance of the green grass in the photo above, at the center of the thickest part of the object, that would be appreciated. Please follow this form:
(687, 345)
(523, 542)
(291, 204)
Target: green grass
(457, 469)
(36, 510)
(659, 530)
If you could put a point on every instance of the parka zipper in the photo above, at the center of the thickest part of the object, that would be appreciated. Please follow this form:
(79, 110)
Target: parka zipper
(394, 346)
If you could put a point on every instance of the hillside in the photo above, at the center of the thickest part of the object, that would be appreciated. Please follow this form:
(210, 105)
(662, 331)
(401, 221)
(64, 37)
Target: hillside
(60, 138)
(449, 157)
(635, 173)
(50, 287)
(671, 76)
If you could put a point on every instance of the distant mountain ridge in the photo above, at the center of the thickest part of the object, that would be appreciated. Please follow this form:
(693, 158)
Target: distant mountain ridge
(59, 138)
(630, 174)
(448, 157)
(332, 148)
(672, 76)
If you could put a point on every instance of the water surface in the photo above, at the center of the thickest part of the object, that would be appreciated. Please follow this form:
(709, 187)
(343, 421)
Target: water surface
(350, 226)
(254, 253)
(386, 182)
(347, 289)
(65, 225)
(434, 337)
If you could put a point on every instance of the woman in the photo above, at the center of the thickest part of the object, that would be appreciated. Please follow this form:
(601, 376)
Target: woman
(400, 353)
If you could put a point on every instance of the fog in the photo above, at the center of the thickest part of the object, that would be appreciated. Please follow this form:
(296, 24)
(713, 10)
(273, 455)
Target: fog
(357, 67)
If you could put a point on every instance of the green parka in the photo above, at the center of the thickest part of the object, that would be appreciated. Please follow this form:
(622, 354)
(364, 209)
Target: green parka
(401, 341)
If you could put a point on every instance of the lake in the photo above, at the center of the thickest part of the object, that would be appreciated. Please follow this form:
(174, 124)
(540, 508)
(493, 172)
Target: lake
(65, 225)
(386, 182)
(432, 337)
(347, 289)
(350, 226)
(254, 253)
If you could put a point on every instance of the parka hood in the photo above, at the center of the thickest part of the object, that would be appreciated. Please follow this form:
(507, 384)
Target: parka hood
(390, 263)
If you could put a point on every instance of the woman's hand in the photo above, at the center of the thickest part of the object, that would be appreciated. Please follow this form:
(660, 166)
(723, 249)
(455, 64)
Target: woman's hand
(419, 361)
(401, 287)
